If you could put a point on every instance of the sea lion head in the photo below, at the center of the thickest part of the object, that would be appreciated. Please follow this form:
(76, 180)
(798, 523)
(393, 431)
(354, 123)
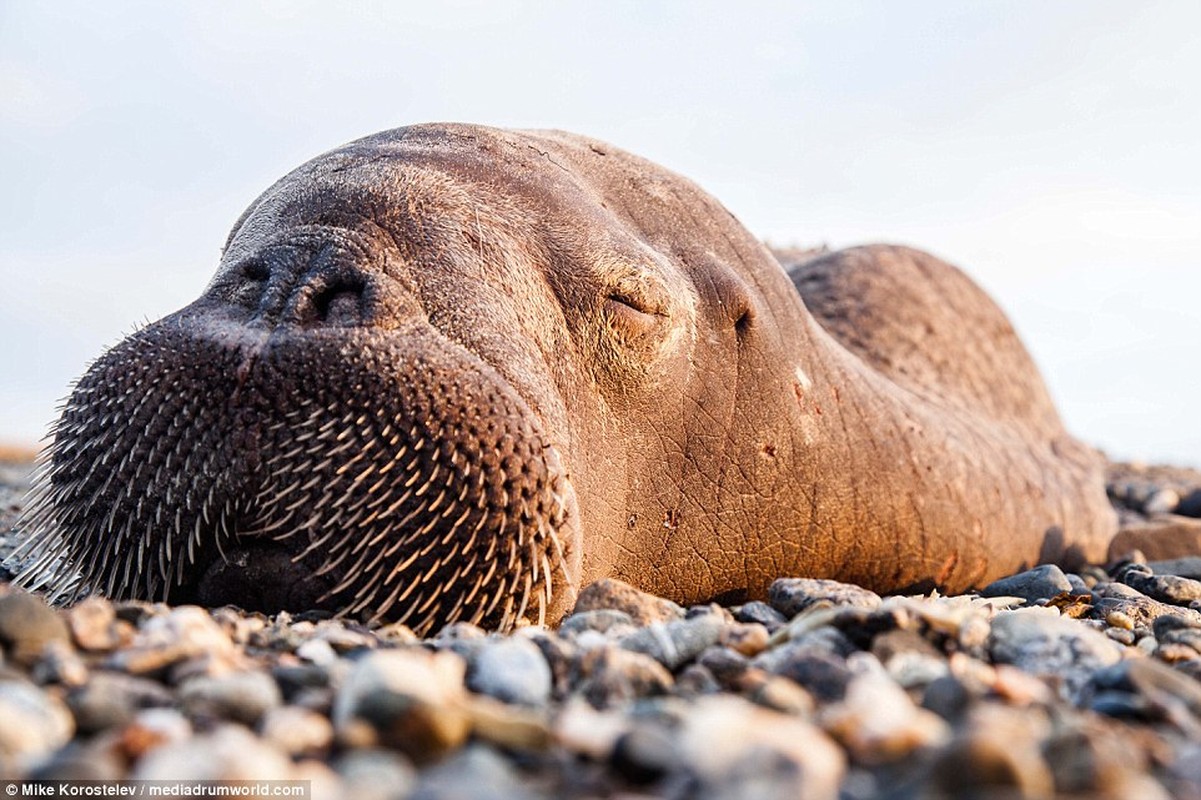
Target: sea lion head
(415, 357)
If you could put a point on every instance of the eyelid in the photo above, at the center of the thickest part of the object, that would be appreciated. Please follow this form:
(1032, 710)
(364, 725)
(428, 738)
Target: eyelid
(642, 293)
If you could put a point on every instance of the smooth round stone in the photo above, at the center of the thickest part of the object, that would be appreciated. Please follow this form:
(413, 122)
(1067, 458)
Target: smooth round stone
(512, 670)
(183, 633)
(1190, 504)
(791, 596)
(94, 625)
(1162, 501)
(297, 731)
(1041, 583)
(371, 774)
(762, 613)
(239, 696)
(602, 620)
(112, 699)
(643, 608)
(614, 676)
(33, 723)
(409, 699)
(477, 772)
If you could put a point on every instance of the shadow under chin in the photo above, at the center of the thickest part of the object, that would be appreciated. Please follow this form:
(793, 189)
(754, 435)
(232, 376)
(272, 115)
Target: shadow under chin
(259, 578)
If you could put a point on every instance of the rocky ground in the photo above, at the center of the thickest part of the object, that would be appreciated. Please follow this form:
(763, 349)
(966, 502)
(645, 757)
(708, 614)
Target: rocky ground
(1046, 685)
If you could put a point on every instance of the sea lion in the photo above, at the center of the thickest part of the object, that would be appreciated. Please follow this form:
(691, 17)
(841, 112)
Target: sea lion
(451, 372)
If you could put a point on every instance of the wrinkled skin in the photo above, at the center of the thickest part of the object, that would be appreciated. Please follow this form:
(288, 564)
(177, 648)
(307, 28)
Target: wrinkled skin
(449, 372)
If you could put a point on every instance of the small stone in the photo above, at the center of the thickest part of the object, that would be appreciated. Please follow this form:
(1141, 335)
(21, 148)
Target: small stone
(94, 625)
(1119, 620)
(27, 626)
(1041, 583)
(33, 723)
(696, 680)
(317, 651)
(410, 699)
(824, 675)
(762, 613)
(720, 732)
(676, 643)
(1141, 609)
(1045, 644)
(947, 697)
(183, 633)
(643, 608)
(995, 754)
(151, 729)
(1079, 585)
(645, 754)
(512, 670)
(375, 775)
(1164, 588)
(59, 663)
(477, 772)
(791, 596)
(614, 676)
(876, 721)
(1121, 635)
(580, 728)
(297, 731)
(113, 699)
(1190, 504)
(239, 696)
(602, 620)
(748, 638)
(1163, 501)
(1184, 567)
(228, 753)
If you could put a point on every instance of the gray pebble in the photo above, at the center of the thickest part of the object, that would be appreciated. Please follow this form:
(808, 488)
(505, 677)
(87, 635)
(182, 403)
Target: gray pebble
(239, 696)
(1047, 645)
(297, 731)
(1041, 583)
(227, 753)
(112, 699)
(475, 773)
(602, 620)
(512, 670)
(674, 644)
(1185, 567)
(764, 614)
(372, 774)
(1190, 504)
(1165, 588)
(614, 676)
(791, 596)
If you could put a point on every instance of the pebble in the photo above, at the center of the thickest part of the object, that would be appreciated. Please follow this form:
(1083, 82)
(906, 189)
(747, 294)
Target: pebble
(642, 608)
(33, 724)
(183, 633)
(1164, 588)
(95, 627)
(297, 731)
(876, 720)
(602, 620)
(1041, 583)
(1041, 642)
(476, 772)
(673, 644)
(762, 613)
(230, 752)
(238, 696)
(614, 676)
(791, 596)
(1163, 501)
(719, 733)
(409, 699)
(113, 699)
(1185, 567)
(28, 626)
(1190, 504)
(512, 670)
(373, 774)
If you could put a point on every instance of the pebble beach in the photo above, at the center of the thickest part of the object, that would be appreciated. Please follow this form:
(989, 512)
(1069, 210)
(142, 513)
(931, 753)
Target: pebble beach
(1044, 684)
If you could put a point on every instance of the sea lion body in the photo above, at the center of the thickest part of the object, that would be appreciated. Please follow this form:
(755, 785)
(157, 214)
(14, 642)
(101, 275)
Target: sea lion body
(452, 372)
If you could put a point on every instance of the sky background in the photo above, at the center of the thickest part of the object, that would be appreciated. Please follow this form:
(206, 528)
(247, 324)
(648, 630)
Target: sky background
(1052, 150)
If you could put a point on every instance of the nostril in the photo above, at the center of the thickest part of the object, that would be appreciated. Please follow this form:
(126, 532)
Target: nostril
(340, 300)
(256, 271)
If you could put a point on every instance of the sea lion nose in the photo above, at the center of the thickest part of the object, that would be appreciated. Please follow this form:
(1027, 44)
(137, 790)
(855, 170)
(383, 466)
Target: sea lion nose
(333, 278)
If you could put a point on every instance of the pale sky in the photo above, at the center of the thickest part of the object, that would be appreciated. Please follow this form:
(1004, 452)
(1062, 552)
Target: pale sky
(1052, 150)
